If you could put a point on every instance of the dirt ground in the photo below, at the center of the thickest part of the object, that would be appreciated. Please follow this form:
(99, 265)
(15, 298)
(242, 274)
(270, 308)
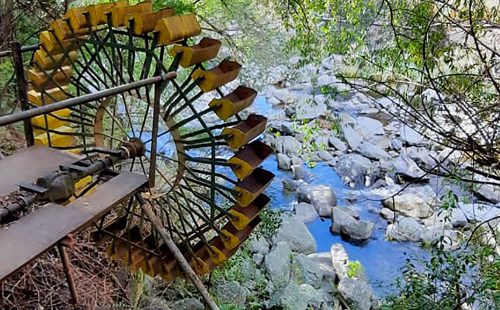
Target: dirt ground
(11, 139)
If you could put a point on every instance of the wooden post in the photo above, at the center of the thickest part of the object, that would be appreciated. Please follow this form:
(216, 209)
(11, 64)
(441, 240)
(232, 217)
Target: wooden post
(22, 90)
(183, 263)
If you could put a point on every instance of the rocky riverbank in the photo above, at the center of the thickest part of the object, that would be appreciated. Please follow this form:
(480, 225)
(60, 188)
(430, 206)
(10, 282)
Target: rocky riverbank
(315, 119)
(380, 158)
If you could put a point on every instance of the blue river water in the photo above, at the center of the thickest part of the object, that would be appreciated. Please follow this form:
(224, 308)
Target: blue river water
(382, 260)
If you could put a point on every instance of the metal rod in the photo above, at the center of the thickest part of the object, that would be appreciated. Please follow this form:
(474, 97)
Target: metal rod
(12, 118)
(183, 263)
(154, 135)
(28, 48)
(22, 90)
(69, 274)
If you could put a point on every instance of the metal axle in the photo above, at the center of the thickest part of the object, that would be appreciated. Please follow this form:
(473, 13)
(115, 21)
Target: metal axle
(59, 185)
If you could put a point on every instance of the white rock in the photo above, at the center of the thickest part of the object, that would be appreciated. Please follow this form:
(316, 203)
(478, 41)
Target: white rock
(408, 167)
(410, 136)
(479, 212)
(352, 137)
(369, 127)
(307, 108)
(284, 162)
(405, 229)
(325, 80)
(410, 205)
(387, 214)
(337, 143)
(306, 212)
(372, 151)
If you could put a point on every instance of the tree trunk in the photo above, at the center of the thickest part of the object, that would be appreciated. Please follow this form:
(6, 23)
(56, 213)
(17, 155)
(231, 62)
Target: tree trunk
(6, 22)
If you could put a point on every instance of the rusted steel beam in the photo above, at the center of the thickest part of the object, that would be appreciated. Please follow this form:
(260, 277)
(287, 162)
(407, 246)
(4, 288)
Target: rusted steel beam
(68, 271)
(12, 118)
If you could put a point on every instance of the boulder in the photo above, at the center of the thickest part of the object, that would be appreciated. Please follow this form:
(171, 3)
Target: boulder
(352, 137)
(337, 143)
(351, 211)
(296, 234)
(369, 127)
(478, 212)
(424, 158)
(409, 136)
(317, 195)
(324, 155)
(149, 303)
(307, 271)
(231, 293)
(357, 293)
(458, 218)
(258, 245)
(285, 127)
(405, 229)
(299, 172)
(295, 297)
(321, 140)
(296, 160)
(410, 204)
(306, 212)
(325, 211)
(450, 240)
(284, 162)
(282, 94)
(307, 108)
(372, 151)
(432, 233)
(354, 167)
(339, 259)
(387, 103)
(287, 145)
(407, 167)
(323, 261)
(346, 225)
(396, 144)
(278, 263)
(387, 214)
(258, 258)
(273, 101)
(333, 62)
(326, 80)
(188, 304)
(489, 192)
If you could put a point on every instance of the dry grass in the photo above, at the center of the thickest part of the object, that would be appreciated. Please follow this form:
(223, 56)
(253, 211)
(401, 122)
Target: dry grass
(100, 282)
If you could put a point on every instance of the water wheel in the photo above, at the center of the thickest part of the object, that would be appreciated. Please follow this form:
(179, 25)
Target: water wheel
(201, 155)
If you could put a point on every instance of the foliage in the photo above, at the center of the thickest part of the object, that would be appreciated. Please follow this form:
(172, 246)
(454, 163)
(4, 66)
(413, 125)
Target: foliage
(309, 132)
(448, 280)
(270, 223)
(326, 27)
(354, 269)
(180, 6)
(138, 288)
(436, 61)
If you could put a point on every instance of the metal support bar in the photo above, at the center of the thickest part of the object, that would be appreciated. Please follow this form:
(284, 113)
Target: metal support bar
(22, 90)
(183, 263)
(12, 118)
(28, 48)
(154, 134)
(68, 272)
